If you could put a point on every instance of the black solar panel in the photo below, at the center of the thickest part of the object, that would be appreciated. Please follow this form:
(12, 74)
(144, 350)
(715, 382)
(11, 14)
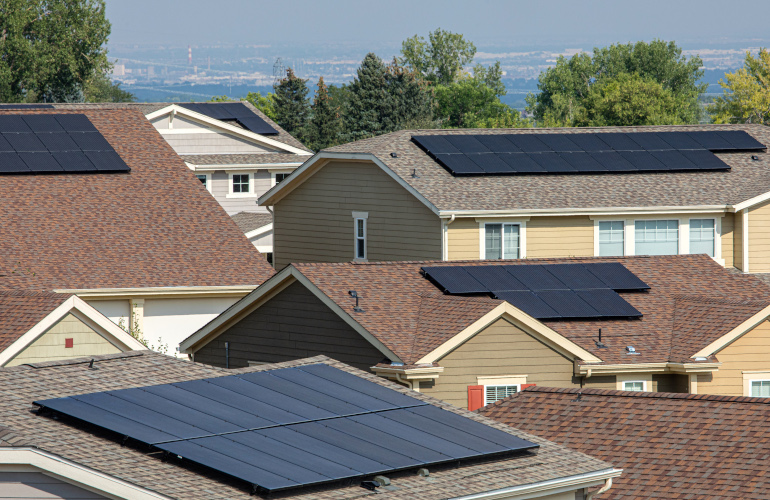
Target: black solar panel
(61, 143)
(26, 106)
(290, 427)
(233, 111)
(583, 153)
(547, 291)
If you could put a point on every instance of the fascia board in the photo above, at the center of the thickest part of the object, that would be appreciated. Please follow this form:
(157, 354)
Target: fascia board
(733, 334)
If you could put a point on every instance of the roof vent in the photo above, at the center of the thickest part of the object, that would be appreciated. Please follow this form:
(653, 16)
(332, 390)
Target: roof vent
(423, 472)
(396, 363)
(700, 358)
(393, 155)
(630, 349)
(755, 157)
(599, 343)
(354, 294)
(414, 174)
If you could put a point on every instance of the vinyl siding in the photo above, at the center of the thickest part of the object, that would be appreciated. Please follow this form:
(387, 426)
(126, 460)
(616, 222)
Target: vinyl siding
(748, 353)
(727, 239)
(500, 349)
(220, 187)
(50, 345)
(314, 223)
(35, 485)
(759, 239)
(292, 325)
(560, 237)
(463, 239)
(737, 240)
(204, 142)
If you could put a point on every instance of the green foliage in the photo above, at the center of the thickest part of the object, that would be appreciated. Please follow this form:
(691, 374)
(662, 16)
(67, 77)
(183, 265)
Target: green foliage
(567, 96)
(291, 104)
(471, 103)
(266, 103)
(101, 89)
(135, 331)
(412, 99)
(326, 124)
(746, 93)
(439, 60)
(51, 49)
(220, 98)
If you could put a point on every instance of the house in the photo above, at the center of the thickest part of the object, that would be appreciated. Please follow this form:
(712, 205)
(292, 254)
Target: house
(43, 326)
(117, 219)
(234, 149)
(678, 323)
(113, 447)
(669, 445)
(531, 193)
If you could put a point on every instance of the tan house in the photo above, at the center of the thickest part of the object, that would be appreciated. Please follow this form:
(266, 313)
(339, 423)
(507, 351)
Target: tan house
(699, 328)
(393, 198)
(48, 454)
(43, 326)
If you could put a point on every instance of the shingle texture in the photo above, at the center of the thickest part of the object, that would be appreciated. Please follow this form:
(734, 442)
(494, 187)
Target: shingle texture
(249, 221)
(89, 446)
(692, 301)
(154, 226)
(20, 310)
(745, 180)
(671, 446)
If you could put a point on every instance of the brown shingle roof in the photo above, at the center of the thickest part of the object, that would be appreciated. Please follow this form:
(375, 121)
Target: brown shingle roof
(745, 180)
(692, 302)
(671, 446)
(249, 221)
(20, 310)
(154, 226)
(19, 386)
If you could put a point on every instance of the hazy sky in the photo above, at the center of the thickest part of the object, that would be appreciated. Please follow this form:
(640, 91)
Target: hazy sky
(513, 22)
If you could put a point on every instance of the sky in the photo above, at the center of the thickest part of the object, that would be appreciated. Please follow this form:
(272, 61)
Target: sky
(512, 22)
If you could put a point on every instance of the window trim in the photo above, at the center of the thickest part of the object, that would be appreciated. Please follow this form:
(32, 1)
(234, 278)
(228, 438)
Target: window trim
(208, 180)
(360, 216)
(230, 181)
(754, 376)
(501, 381)
(487, 401)
(634, 381)
(716, 232)
(681, 246)
(597, 235)
(274, 173)
(483, 237)
(751, 382)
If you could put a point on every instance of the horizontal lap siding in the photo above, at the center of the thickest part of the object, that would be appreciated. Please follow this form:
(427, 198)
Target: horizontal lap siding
(220, 187)
(749, 353)
(463, 240)
(314, 223)
(50, 346)
(500, 349)
(759, 239)
(560, 237)
(294, 324)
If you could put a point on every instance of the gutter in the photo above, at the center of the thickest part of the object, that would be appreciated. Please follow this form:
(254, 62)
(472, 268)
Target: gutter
(411, 377)
(607, 486)
(550, 487)
(587, 211)
(588, 370)
(445, 239)
(163, 292)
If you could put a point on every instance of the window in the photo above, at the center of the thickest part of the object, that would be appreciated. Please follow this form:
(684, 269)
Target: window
(280, 177)
(360, 229)
(702, 236)
(633, 385)
(241, 183)
(494, 393)
(760, 388)
(204, 179)
(657, 237)
(501, 241)
(611, 238)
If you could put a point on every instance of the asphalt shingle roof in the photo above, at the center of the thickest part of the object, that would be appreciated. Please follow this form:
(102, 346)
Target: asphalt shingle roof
(100, 450)
(20, 310)
(671, 446)
(249, 221)
(692, 302)
(745, 180)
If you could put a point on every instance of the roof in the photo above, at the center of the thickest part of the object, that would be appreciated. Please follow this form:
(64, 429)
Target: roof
(671, 446)
(249, 221)
(99, 450)
(155, 226)
(692, 302)
(746, 179)
(20, 310)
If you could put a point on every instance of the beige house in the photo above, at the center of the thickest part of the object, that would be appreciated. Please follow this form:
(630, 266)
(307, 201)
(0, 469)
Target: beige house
(386, 198)
(703, 329)
(41, 326)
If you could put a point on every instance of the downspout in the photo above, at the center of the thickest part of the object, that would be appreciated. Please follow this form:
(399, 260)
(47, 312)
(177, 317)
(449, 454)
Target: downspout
(745, 242)
(407, 382)
(607, 486)
(227, 354)
(446, 237)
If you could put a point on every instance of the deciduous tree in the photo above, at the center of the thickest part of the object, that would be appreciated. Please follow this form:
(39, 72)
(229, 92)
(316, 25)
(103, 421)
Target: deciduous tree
(441, 58)
(746, 92)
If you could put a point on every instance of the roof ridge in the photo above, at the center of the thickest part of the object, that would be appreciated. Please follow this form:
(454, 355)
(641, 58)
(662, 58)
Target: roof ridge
(649, 395)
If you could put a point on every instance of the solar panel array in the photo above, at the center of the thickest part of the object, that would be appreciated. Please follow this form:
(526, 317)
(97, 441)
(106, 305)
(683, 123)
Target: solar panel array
(548, 291)
(26, 106)
(583, 153)
(290, 427)
(51, 144)
(233, 111)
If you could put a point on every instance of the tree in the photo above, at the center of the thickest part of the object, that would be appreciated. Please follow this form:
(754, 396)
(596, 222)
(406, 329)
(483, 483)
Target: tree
(471, 103)
(325, 125)
(291, 104)
(440, 60)
(51, 49)
(101, 89)
(371, 106)
(266, 103)
(412, 99)
(746, 93)
(564, 90)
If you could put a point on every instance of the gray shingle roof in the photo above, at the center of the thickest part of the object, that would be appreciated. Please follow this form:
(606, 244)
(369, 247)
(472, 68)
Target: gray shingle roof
(745, 180)
(249, 221)
(21, 385)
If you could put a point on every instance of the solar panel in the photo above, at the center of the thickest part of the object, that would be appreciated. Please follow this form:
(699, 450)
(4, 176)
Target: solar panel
(643, 161)
(741, 140)
(521, 163)
(583, 162)
(367, 429)
(42, 123)
(58, 142)
(12, 123)
(536, 277)
(107, 161)
(559, 142)
(552, 162)
(589, 142)
(233, 111)
(5, 145)
(674, 160)
(613, 161)
(454, 280)
(575, 276)
(679, 140)
(257, 125)
(490, 163)
(40, 162)
(435, 144)
(495, 278)
(650, 141)
(497, 143)
(618, 141)
(528, 302)
(705, 159)
(609, 303)
(467, 144)
(90, 141)
(75, 123)
(617, 277)
(25, 106)
(528, 143)
(24, 142)
(10, 163)
(459, 164)
(712, 141)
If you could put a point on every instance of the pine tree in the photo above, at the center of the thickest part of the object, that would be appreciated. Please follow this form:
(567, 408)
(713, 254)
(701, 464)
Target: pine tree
(371, 106)
(291, 104)
(413, 103)
(325, 125)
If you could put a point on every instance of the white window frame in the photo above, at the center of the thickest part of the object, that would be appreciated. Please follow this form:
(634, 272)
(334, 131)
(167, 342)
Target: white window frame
(681, 245)
(483, 238)
(758, 380)
(274, 173)
(643, 382)
(501, 381)
(487, 401)
(360, 216)
(716, 232)
(208, 180)
(597, 234)
(233, 194)
(754, 376)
